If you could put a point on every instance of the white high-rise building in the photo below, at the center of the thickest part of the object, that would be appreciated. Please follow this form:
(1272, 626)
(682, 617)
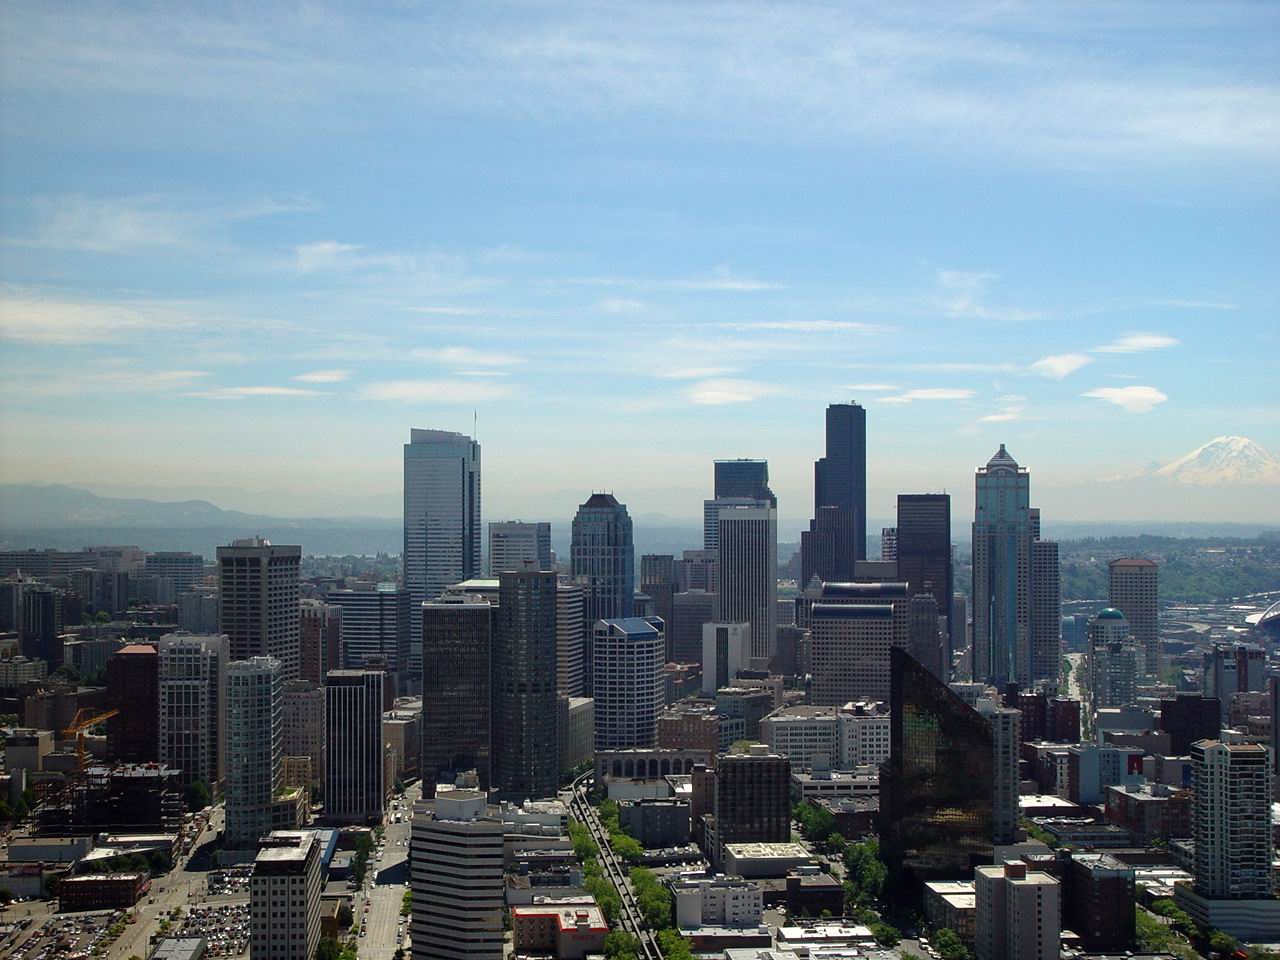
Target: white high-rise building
(1018, 913)
(441, 521)
(1231, 819)
(726, 652)
(1005, 783)
(258, 606)
(192, 673)
(748, 572)
(255, 729)
(284, 897)
(513, 542)
(455, 869)
(628, 655)
(1114, 663)
(354, 781)
(570, 638)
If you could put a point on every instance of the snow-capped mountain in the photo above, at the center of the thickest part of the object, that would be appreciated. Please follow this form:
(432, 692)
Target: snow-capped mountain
(1222, 461)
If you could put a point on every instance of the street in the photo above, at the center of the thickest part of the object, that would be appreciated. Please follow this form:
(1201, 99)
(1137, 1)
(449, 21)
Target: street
(385, 884)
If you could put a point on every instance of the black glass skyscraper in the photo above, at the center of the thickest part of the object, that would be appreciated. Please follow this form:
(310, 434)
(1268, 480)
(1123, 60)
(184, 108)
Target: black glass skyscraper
(936, 806)
(840, 478)
(924, 548)
(525, 753)
(743, 478)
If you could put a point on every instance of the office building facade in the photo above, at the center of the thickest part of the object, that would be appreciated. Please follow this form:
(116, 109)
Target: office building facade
(512, 543)
(284, 897)
(922, 550)
(457, 639)
(629, 691)
(354, 787)
(320, 639)
(255, 747)
(602, 561)
(748, 573)
(441, 521)
(570, 641)
(840, 477)
(376, 630)
(258, 601)
(133, 690)
(192, 673)
(1134, 590)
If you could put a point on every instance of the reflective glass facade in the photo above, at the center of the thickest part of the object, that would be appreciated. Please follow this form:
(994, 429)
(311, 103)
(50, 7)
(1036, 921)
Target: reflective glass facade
(936, 821)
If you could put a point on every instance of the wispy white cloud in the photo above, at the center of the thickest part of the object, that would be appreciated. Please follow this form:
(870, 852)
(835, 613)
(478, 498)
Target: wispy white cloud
(28, 316)
(809, 326)
(323, 376)
(1014, 408)
(928, 393)
(242, 393)
(435, 391)
(1060, 365)
(692, 373)
(1137, 343)
(1135, 399)
(965, 294)
(870, 387)
(324, 255)
(620, 305)
(722, 391)
(465, 357)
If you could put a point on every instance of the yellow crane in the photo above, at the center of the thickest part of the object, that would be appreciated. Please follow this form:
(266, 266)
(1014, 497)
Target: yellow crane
(84, 719)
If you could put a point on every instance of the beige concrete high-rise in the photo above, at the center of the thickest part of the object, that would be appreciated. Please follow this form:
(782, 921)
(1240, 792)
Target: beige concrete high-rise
(193, 727)
(1018, 913)
(1134, 590)
(748, 573)
(255, 732)
(258, 608)
(284, 897)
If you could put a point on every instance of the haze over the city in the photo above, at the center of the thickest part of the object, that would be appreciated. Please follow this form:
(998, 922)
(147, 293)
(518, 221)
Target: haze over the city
(246, 249)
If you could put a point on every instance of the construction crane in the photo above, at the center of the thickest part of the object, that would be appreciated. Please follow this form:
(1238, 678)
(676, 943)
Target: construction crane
(84, 719)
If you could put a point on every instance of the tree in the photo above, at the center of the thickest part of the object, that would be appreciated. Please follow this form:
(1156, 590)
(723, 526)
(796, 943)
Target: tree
(949, 945)
(198, 796)
(674, 946)
(1152, 935)
(406, 903)
(1222, 943)
(619, 945)
(1182, 921)
(345, 917)
(885, 935)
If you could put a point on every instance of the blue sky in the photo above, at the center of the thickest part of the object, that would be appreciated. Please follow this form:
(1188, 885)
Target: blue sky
(248, 246)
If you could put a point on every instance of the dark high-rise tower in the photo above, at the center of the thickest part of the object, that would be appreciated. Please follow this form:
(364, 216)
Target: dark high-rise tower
(603, 560)
(938, 784)
(525, 756)
(840, 478)
(924, 549)
(456, 648)
(743, 478)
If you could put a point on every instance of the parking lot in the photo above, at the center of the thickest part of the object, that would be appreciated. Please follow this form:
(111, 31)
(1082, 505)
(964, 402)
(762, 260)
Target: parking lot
(70, 936)
(225, 927)
(233, 882)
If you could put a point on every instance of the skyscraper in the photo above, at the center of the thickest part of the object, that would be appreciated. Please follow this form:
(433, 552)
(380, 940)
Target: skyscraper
(752, 798)
(602, 559)
(1231, 818)
(938, 786)
(1134, 591)
(748, 572)
(1113, 663)
(133, 689)
(570, 642)
(512, 542)
(658, 580)
(320, 639)
(255, 730)
(849, 652)
(354, 789)
(441, 521)
(1011, 580)
(840, 477)
(375, 627)
(923, 552)
(192, 676)
(1017, 913)
(743, 478)
(629, 691)
(457, 635)
(525, 759)
(827, 548)
(258, 601)
(889, 543)
(455, 864)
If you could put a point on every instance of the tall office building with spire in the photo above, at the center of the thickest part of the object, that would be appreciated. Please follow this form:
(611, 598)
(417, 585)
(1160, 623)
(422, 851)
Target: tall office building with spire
(839, 486)
(441, 521)
(1015, 580)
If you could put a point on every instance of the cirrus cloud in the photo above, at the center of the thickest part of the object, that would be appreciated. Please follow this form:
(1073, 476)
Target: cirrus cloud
(1060, 365)
(241, 393)
(928, 393)
(1135, 399)
(1137, 343)
(323, 376)
(722, 391)
(436, 391)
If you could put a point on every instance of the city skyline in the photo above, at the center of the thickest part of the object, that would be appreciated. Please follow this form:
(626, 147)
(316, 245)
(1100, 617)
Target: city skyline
(532, 202)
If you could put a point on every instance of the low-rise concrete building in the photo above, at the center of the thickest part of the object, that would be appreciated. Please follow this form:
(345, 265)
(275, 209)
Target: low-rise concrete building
(952, 905)
(656, 823)
(567, 929)
(717, 902)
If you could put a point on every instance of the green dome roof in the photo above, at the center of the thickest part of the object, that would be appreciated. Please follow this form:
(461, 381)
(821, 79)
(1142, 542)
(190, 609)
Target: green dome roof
(1110, 613)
